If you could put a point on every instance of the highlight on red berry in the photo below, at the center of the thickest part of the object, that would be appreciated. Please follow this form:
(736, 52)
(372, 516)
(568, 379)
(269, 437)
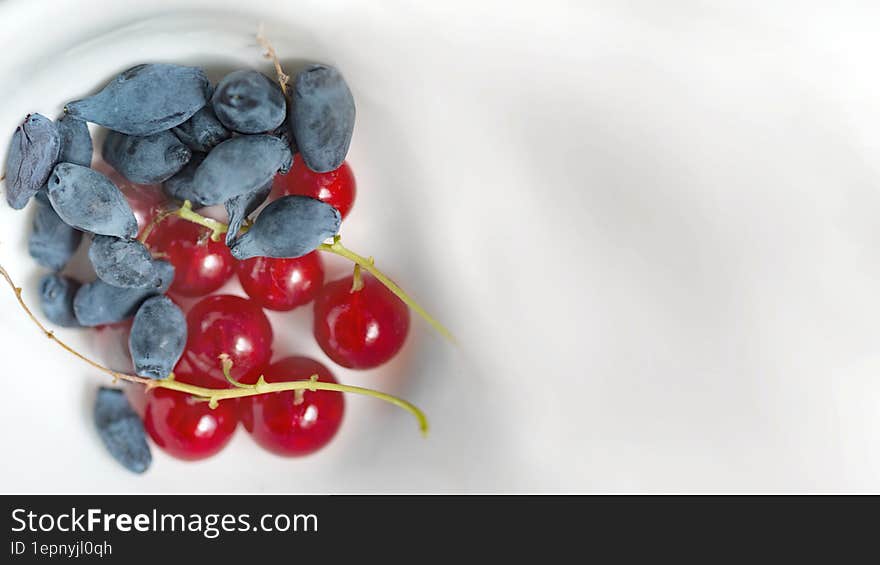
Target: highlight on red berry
(282, 284)
(188, 428)
(201, 265)
(231, 325)
(337, 188)
(294, 423)
(360, 328)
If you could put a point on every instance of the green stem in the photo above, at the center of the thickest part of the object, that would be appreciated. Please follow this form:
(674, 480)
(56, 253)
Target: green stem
(357, 279)
(338, 249)
(211, 395)
(219, 228)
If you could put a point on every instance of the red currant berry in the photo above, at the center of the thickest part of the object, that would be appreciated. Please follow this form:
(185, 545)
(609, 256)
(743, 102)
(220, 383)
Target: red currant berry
(201, 266)
(294, 423)
(231, 325)
(146, 201)
(186, 428)
(282, 284)
(185, 373)
(336, 188)
(360, 329)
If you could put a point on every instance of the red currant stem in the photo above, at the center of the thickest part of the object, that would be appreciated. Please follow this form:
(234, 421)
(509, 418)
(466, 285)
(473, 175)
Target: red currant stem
(212, 395)
(367, 264)
(51, 335)
(186, 212)
(299, 395)
(312, 385)
(283, 78)
(226, 366)
(160, 217)
(357, 280)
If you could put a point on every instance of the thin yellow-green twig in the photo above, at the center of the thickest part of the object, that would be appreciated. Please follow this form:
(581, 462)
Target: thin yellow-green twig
(211, 395)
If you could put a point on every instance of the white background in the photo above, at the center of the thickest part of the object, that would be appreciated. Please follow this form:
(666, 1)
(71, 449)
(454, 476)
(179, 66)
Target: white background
(653, 226)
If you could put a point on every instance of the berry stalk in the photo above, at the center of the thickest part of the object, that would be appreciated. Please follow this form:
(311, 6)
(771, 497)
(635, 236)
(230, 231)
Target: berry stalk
(219, 228)
(211, 395)
(367, 264)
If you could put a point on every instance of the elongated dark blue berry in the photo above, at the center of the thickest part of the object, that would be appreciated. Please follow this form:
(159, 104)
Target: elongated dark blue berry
(32, 155)
(181, 187)
(323, 117)
(249, 102)
(147, 159)
(157, 338)
(203, 131)
(56, 299)
(124, 263)
(86, 199)
(76, 148)
(240, 207)
(146, 99)
(121, 430)
(76, 142)
(288, 227)
(99, 303)
(239, 166)
(52, 242)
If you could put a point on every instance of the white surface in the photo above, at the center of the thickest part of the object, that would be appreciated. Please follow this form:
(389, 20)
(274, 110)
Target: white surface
(653, 226)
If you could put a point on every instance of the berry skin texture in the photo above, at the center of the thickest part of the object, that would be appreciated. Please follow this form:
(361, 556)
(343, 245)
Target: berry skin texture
(361, 329)
(180, 186)
(87, 200)
(99, 303)
(56, 299)
(284, 132)
(247, 101)
(157, 338)
(121, 430)
(323, 117)
(337, 188)
(286, 424)
(240, 207)
(238, 166)
(146, 99)
(186, 428)
(33, 153)
(232, 325)
(52, 242)
(201, 265)
(124, 263)
(282, 284)
(202, 131)
(146, 159)
(76, 142)
(288, 227)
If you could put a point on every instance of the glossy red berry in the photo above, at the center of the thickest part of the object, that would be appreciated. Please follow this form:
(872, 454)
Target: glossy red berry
(337, 188)
(186, 428)
(231, 325)
(201, 266)
(291, 424)
(361, 329)
(282, 284)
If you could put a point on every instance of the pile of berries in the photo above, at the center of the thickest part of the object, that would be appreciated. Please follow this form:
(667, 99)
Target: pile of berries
(176, 143)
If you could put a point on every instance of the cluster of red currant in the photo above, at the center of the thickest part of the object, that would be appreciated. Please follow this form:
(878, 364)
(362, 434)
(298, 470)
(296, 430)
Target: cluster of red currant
(358, 322)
